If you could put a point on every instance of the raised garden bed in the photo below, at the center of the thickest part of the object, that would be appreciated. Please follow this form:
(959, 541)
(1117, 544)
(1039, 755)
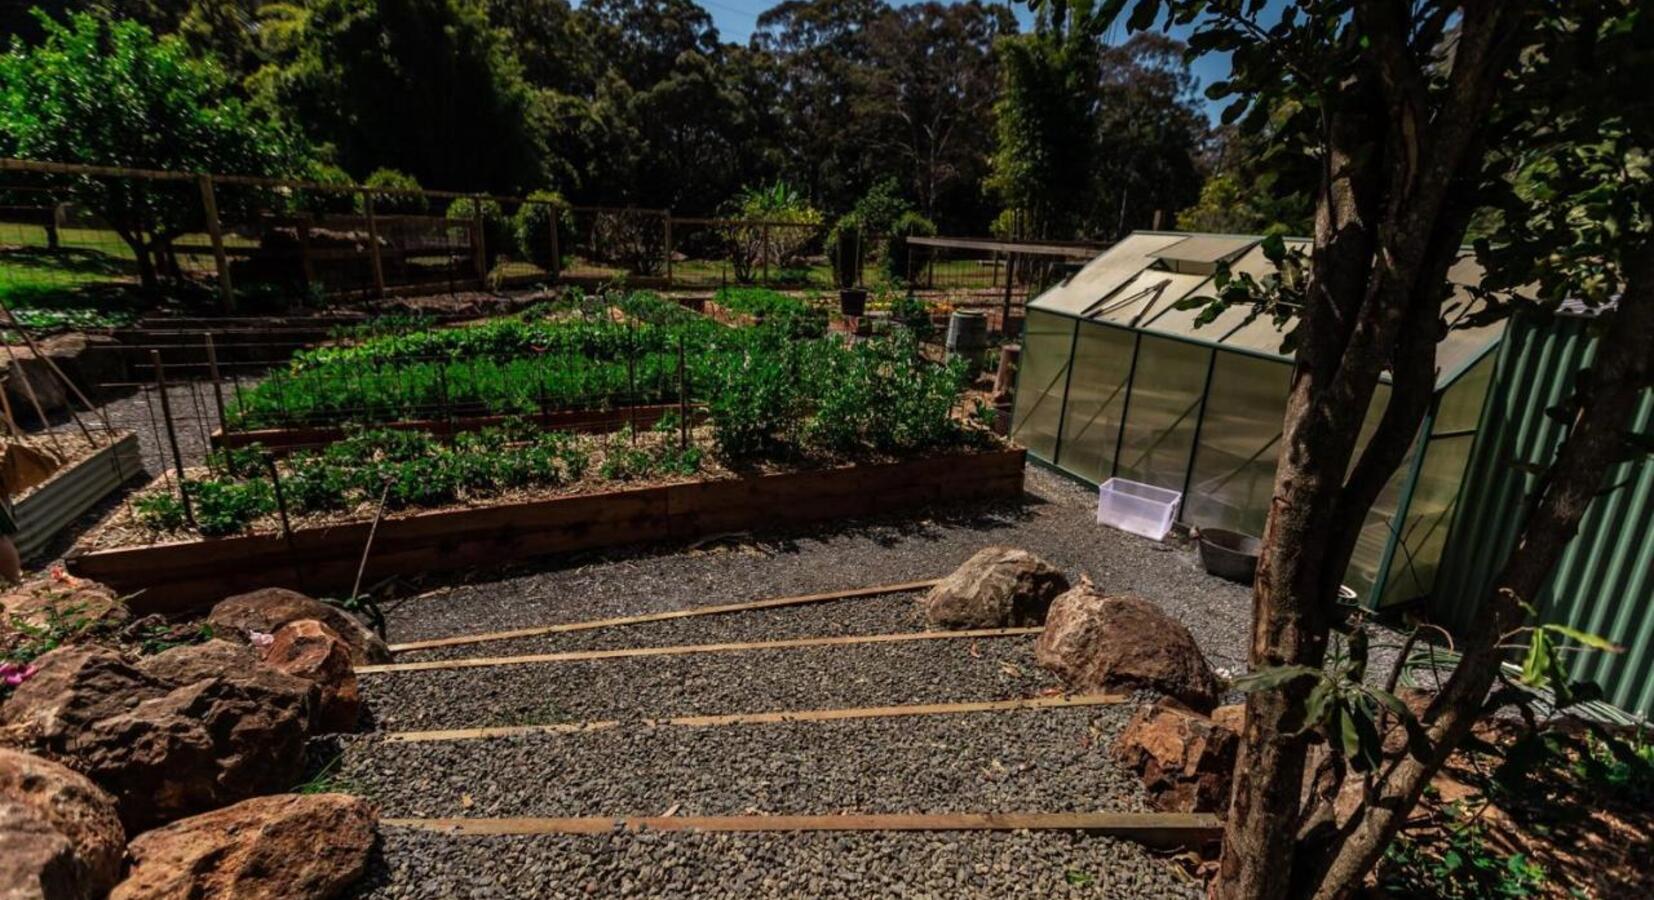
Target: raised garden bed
(281, 440)
(183, 575)
(80, 484)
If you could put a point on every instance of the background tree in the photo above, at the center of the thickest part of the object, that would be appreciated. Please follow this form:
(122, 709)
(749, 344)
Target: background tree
(100, 93)
(1150, 135)
(429, 87)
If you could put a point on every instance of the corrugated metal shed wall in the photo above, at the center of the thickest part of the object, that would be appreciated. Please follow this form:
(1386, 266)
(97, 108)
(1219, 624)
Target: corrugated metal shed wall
(1605, 581)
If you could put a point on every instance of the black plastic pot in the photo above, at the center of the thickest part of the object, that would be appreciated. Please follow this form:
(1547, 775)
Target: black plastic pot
(852, 302)
(1229, 554)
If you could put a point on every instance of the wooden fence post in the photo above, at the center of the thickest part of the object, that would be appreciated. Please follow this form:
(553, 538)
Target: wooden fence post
(556, 267)
(209, 207)
(305, 264)
(764, 250)
(373, 244)
(667, 219)
(479, 242)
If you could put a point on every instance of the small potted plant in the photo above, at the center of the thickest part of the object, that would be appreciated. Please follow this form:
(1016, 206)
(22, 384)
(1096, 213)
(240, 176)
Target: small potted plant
(845, 245)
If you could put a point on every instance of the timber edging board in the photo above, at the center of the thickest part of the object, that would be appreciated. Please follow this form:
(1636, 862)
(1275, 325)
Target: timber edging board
(72, 490)
(282, 440)
(1160, 830)
(181, 576)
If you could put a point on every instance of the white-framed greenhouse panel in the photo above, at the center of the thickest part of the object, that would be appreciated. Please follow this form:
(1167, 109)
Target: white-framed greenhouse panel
(1116, 381)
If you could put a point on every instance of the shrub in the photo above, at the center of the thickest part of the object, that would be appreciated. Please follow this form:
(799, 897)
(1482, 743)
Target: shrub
(321, 202)
(897, 253)
(394, 204)
(229, 507)
(531, 228)
(633, 239)
(777, 225)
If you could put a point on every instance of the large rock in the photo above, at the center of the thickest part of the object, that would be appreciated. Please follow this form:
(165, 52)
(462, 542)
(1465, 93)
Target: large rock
(285, 847)
(48, 601)
(268, 609)
(59, 833)
(999, 587)
(1095, 643)
(25, 372)
(310, 650)
(89, 360)
(185, 731)
(1186, 760)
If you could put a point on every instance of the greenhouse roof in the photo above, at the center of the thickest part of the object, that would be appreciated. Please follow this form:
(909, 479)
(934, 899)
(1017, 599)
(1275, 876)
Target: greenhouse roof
(1138, 282)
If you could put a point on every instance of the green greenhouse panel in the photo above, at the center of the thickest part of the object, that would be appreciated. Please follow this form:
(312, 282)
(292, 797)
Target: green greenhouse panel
(1096, 400)
(1233, 475)
(1043, 377)
(1162, 409)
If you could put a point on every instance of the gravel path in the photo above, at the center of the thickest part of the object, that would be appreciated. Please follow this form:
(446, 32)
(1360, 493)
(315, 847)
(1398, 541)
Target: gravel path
(194, 416)
(953, 864)
(709, 684)
(1049, 760)
(1056, 521)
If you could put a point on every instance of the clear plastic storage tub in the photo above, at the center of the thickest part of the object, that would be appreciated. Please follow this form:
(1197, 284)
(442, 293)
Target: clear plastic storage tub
(1139, 508)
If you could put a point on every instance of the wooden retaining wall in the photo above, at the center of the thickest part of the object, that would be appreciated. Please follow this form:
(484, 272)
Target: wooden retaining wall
(186, 575)
(71, 491)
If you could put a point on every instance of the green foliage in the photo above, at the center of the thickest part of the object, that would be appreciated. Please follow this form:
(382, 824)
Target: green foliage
(788, 314)
(65, 624)
(786, 225)
(881, 206)
(393, 204)
(1457, 862)
(322, 202)
(427, 87)
(897, 252)
(160, 512)
(104, 92)
(229, 507)
(532, 223)
(496, 228)
(912, 313)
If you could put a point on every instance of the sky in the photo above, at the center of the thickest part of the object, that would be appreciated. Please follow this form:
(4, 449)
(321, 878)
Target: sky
(737, 18)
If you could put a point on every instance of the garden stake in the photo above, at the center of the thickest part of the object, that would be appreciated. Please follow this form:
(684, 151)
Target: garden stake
(34, 348)
(34, 400)
(683, 398)
(281, 499)
(368, 547)
(11, 421)
(631, 378)
(217, 382)
(172, 435)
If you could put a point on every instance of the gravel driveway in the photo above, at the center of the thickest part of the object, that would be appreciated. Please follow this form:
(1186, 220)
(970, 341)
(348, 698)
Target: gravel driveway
(1050, 760)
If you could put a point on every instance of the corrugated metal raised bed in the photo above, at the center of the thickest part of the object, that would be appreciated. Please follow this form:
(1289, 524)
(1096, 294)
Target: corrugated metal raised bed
(61, 499)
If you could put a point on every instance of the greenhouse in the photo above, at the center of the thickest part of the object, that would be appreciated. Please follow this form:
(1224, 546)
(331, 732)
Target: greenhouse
(1116, 381)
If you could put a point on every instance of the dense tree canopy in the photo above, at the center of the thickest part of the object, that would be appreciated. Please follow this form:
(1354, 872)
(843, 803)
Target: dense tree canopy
(643, 102)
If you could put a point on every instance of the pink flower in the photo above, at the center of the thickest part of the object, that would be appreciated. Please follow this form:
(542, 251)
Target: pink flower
(14, 674)
(261, 638)
(62, 577)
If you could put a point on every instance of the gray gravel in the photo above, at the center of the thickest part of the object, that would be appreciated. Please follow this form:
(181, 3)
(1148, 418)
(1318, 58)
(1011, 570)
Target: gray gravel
(752, 681)
(1019, 761)
(1056, 521)
(945, 864)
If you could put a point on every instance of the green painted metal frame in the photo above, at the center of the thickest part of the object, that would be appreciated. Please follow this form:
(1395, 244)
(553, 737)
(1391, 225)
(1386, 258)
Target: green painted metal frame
(1404, 502)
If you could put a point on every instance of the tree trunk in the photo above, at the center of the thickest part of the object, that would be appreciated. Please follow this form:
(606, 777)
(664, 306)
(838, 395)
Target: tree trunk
(1623, 369)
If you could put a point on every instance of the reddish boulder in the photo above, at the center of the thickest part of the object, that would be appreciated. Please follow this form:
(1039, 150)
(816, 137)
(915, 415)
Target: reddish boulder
(59, 833)
(268, 609)
(310, 650)
(1232, 717)
(1097, 643)
(999, 587)
(284, 847)
(188, 730)
(1185, 759)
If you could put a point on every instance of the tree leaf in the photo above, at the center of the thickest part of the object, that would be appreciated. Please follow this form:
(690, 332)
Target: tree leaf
(1274, 677)
(1594, 641)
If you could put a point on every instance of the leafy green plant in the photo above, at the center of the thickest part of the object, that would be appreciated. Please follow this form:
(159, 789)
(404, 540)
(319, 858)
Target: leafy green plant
(160, 512)
(897, 253)
(1455, 861)
(229, 507)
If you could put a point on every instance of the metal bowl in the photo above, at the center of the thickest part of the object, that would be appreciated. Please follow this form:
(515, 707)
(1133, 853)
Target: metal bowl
(1229, 554)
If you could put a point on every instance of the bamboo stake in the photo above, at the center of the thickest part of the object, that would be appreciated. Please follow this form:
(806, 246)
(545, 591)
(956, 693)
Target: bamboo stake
(771, 603)
(172, 435)
(1164, 830)
(34, 400)
(217, 381)
(695, 649)
(765, 718)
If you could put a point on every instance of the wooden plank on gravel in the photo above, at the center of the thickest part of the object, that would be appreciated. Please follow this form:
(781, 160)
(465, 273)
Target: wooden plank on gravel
(688, 649)
(1154, 829)
(798, 715)
(800, 600)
